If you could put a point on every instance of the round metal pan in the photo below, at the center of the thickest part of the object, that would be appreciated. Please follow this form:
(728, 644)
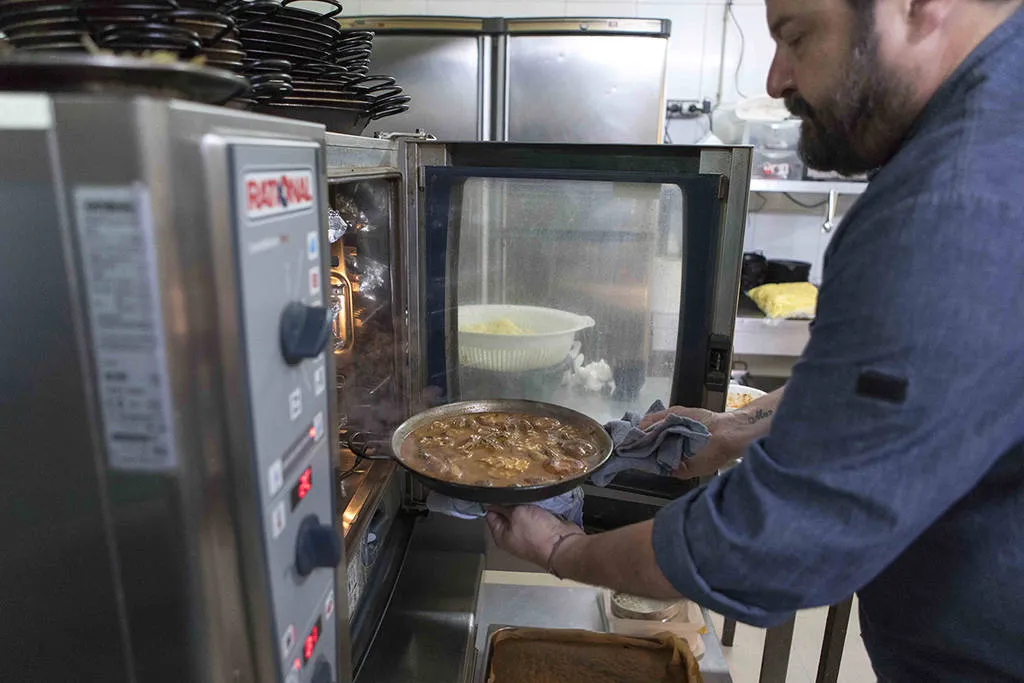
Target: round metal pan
(281, 23)
(505, 495)
(233, 56)
(44, 26)
(53, 47)
(301, 48)
(312, 41)
(336, 118)
(101, 74)
(311, 15)
(88, 13)
(279, 28)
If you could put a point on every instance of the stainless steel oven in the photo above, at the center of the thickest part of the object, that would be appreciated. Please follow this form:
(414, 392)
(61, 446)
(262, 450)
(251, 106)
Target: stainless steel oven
(172, 397)
(644, 242)
(167, 419)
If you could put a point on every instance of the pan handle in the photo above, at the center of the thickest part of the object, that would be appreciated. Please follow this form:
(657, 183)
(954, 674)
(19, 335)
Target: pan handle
(360, 444)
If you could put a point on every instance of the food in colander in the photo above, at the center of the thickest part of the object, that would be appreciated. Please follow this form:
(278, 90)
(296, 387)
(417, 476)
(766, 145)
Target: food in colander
(498, 326)
(737, 400)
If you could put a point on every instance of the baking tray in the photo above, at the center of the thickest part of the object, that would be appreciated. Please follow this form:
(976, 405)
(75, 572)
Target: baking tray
(692, 673)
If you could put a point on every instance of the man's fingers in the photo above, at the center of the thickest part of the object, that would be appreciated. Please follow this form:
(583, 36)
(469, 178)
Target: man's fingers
(653, 419)
(699, 414)
(498, 524)
(501, 510)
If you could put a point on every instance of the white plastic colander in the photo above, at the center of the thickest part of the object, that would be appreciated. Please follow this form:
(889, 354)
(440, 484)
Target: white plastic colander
(551, 336)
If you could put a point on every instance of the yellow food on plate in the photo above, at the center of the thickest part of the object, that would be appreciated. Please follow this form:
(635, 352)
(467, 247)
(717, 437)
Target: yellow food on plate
(737, 400)
(499, 326)
(786, 300)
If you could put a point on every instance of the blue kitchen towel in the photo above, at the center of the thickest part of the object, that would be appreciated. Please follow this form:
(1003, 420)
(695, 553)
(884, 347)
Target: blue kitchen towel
(568, 506)
(658, 449)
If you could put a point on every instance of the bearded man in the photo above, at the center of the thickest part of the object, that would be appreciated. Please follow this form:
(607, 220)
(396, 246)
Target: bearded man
(892, 464)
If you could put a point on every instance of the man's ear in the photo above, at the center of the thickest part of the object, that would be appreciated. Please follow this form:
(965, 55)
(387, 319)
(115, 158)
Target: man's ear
(924, 17)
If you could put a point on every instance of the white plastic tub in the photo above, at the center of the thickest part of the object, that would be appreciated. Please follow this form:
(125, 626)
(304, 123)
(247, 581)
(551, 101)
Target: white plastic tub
(552, 333)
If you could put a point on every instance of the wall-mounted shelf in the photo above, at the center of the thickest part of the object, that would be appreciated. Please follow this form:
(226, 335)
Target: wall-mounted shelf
(807, 186)
(833, 189)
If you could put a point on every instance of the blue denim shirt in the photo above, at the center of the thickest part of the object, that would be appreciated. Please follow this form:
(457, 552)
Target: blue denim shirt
(895, 464)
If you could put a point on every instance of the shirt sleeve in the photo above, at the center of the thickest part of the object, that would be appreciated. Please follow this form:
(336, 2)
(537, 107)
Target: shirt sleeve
(891, 416)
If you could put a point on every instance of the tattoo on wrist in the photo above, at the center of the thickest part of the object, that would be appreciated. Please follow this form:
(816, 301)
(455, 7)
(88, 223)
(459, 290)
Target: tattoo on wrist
(759, 415)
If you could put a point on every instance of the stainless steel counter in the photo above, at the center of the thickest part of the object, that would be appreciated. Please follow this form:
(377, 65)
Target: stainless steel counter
(435, 627)
(426, 634)
(531, 599)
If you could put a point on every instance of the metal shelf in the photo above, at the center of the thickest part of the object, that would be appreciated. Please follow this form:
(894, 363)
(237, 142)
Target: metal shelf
(807, 186)
(762, 337)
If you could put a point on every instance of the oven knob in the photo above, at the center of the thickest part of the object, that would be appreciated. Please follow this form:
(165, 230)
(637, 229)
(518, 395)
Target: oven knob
(304, 331)
(317, 545)
(322, 673)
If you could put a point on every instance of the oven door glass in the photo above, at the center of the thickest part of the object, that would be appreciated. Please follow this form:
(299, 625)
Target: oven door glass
(363, 305)
(591, 289)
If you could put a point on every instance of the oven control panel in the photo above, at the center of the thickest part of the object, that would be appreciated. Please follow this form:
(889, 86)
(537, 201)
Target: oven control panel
(284, 316)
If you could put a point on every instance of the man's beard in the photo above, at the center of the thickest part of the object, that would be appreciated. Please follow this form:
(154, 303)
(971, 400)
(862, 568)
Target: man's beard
(863, 123)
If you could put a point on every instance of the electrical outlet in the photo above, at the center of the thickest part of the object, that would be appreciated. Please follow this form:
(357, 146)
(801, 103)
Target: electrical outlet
(687, 109)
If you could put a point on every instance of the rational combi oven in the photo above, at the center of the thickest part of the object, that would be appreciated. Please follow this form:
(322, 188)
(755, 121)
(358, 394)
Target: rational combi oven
(200, 302)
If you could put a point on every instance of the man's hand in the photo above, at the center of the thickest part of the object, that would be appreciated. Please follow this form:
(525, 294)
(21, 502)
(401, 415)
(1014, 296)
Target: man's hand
(622, 560)
(528, 532)
(720, 450)
(731, 433)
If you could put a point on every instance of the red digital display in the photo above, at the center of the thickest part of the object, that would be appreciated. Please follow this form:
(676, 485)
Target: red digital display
(302, 487)
(309, 644)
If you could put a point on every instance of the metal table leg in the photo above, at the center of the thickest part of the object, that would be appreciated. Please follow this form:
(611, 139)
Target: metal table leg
(836, 624)
(778, 642)
(728, 632)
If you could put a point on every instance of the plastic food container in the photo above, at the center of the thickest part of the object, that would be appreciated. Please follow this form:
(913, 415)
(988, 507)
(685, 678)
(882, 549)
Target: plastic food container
(777, 164)
(777, 135)
(740, 395)
(550, 338)
(685, 621)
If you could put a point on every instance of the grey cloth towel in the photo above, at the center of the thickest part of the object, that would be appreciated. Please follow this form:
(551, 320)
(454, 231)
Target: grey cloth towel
(658, 449)
(568, 506)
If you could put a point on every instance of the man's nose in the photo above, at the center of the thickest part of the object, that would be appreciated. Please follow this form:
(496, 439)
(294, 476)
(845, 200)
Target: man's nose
(780, 77)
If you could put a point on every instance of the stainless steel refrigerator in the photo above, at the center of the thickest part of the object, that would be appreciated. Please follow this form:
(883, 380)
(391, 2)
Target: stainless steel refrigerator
(526, 80)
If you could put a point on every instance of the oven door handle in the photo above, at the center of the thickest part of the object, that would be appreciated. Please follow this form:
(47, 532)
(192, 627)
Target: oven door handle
(360, 443)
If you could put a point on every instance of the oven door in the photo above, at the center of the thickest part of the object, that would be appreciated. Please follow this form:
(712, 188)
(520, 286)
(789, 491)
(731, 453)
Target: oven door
(601, 278)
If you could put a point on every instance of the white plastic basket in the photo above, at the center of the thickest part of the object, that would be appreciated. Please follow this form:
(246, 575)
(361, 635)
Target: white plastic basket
(552, 333)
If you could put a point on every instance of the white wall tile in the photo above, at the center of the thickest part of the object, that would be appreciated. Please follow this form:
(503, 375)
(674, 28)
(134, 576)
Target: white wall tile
(758, 49)
(394, 7)
(686, 47)
(795, 236)
(600, 8)
(688, 131)
(499, 8)
(641, 3)
(712, 42)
